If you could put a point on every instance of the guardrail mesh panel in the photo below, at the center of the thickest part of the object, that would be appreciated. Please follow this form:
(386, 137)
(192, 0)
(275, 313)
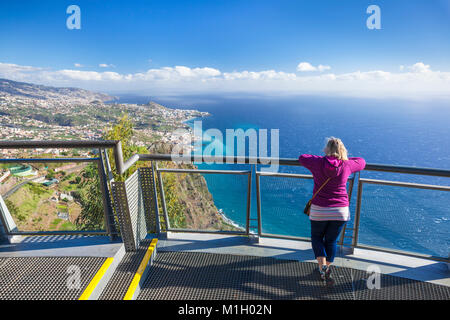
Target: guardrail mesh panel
(283, 200)
(53, 196)
(136, 207)
(123, 214)
(408, 219)
(282, 203)
(148, 195)
(206, 201)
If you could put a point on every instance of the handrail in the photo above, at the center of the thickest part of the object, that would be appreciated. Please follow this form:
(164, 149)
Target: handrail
(41, 160)
(286, 161)
(116, 145)
(122, 166)
(30, 144)
(71, 144)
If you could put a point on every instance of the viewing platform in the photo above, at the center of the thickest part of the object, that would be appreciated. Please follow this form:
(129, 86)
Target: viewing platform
(143, 254)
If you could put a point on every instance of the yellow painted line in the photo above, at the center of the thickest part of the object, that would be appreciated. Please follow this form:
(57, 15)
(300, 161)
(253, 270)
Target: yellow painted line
(94, 282)
(140, 271)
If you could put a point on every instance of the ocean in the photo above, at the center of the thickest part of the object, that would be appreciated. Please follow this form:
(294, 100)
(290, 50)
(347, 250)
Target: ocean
(382, 131)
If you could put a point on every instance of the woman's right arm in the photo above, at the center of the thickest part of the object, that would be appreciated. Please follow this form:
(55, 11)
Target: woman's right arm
(308, 160)
(356, 164)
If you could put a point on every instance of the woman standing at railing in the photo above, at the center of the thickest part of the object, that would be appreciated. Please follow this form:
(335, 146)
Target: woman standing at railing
(329, 210)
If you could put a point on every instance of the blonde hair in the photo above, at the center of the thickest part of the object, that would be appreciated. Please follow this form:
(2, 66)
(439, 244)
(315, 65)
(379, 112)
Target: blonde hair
(335, 148)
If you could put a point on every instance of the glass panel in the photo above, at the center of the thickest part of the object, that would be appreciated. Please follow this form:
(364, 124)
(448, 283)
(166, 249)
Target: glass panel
(53, 196)
(206, 201)
(416, 220)
(282, 203)
(283, 200)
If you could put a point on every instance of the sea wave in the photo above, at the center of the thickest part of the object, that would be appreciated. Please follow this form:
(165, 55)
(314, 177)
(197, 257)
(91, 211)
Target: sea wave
(229, 221)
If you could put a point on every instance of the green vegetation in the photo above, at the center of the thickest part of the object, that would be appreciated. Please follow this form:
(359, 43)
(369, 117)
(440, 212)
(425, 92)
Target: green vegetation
(50, 174)
(24, 202)
(123, 131)
(55, 223)
(175, 208)
(90, 197)
(14, 210)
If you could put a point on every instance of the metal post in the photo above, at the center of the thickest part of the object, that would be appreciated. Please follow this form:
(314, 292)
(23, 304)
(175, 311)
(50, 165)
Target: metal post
(258, 204)
(249, 194)
(155, 195)
(357, 214)
(4, 225)
(107, 208)
(108, 167)
(352, 182)
(163, 199)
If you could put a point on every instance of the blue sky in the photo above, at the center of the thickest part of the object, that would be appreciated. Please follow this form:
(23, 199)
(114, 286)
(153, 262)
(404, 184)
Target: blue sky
(131, 37)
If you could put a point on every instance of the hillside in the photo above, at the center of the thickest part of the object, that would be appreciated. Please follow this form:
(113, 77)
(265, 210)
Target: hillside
(31, 111)
(42, 92)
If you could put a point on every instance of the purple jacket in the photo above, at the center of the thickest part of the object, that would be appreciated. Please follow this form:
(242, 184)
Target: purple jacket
(334, 194)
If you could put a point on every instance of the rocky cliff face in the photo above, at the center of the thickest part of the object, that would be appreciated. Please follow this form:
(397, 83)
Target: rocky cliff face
(189, 203)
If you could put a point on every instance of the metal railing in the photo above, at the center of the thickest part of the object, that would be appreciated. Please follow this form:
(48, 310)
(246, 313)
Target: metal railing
(153, 206)
(109, 223)
(248, 173)
(260, 174)
(356, 230)
(294, 162)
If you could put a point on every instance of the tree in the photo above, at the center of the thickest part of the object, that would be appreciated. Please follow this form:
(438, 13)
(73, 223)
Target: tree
(92, 214)
(123, 131)
(50, 174)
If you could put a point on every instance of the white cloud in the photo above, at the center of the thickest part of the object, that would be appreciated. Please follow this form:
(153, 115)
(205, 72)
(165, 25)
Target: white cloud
(11, 67)
(307, 67)
(322, 68)
(420, 67)
(259, 75)
(105, 65)
(78, 65)
(417, 80)
(176, 73)
(368, 75)
(17, 72)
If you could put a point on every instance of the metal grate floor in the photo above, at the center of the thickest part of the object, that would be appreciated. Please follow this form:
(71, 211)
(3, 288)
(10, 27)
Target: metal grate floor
(46, 278)
(120, 281)
(201, 276)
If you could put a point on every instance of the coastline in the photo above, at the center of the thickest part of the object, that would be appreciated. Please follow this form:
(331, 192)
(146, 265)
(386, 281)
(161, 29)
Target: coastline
(220, 212)
(231, 222)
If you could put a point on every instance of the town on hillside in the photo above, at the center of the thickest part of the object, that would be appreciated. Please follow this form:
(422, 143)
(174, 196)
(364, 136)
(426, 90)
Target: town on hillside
(49, 196)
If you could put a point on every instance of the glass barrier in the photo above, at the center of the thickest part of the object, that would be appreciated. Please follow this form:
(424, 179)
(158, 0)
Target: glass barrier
(53, 196)
(206, 201)
(282, 202)
(408, 219)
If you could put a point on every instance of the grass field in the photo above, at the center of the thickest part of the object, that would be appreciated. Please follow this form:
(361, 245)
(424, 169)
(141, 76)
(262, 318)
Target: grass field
(34, 211)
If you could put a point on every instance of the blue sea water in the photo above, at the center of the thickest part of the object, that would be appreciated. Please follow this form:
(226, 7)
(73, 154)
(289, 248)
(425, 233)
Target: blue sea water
(383, 131)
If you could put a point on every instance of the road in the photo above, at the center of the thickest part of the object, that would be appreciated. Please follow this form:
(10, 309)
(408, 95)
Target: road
(18, 186)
